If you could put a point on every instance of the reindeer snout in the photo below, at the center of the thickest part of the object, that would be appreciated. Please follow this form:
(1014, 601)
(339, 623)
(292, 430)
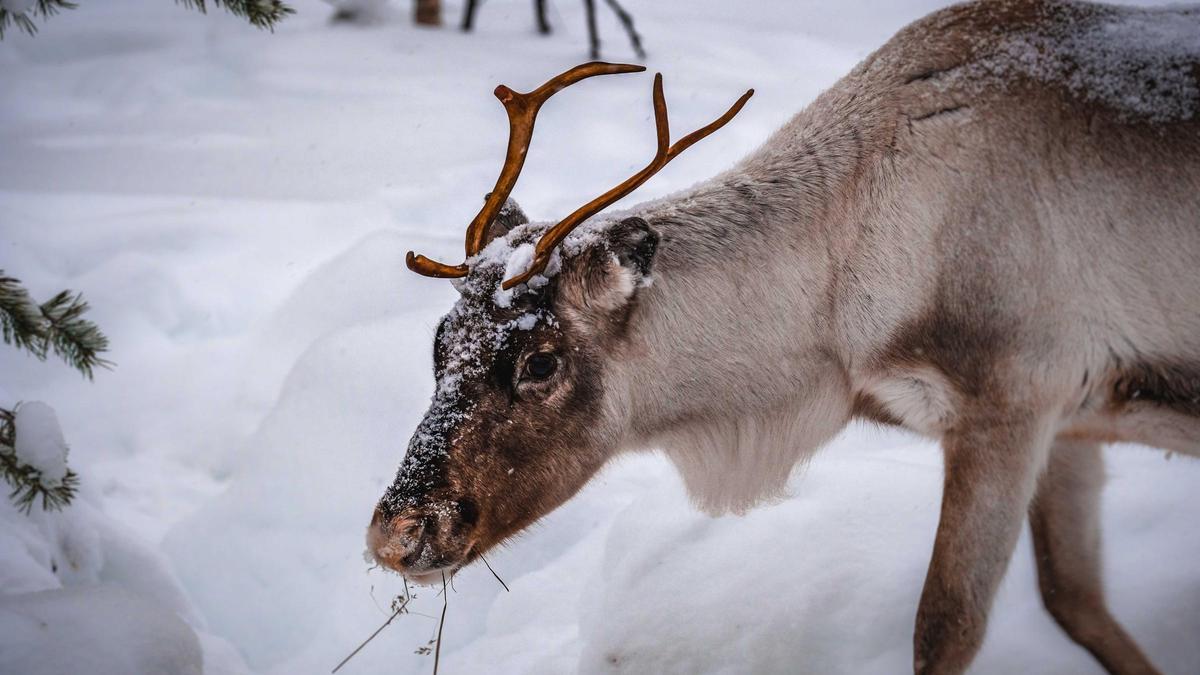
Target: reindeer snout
(422, 542)
(396, 542)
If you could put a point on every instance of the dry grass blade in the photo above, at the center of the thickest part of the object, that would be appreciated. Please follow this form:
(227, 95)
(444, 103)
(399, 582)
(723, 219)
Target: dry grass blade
(489, 566)
(400, 606)
(398, 612)
(437, 652)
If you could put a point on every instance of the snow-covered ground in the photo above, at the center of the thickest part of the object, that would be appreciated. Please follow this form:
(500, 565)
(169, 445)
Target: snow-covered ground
(236, 205)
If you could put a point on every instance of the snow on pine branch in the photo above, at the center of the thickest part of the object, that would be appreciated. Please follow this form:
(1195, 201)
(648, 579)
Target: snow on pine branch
(55, 325)
(33, 457)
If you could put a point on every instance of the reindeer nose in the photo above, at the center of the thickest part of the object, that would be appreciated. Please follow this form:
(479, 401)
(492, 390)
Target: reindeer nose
(395, 541)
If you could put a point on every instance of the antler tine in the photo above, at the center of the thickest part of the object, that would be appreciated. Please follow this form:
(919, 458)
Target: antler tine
(522, 112)
(665, 153)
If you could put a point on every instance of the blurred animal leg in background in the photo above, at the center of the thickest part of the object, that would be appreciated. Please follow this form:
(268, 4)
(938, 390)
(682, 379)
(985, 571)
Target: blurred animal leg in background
(539, 10)
(468, 19)
(593, 36)
(627, 22)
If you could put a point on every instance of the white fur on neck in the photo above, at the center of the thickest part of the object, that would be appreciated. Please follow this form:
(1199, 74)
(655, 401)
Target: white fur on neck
(730, 465)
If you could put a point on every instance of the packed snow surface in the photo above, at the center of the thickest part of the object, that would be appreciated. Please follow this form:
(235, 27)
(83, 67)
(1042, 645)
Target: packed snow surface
(236, 206)
(118, 634)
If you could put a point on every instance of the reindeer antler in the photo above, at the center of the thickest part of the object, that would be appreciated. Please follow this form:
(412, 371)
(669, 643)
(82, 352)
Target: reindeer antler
(522, 112)
(665, 153)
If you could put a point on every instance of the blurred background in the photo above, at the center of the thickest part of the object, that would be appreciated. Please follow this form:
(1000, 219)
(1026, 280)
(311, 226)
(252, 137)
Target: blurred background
(235, 204)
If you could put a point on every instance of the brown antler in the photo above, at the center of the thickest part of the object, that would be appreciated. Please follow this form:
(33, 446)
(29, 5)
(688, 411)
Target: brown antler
(556, 234)
(522, 111)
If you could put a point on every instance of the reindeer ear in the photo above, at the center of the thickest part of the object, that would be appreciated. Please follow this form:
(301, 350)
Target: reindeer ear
(509, 217)
(601, 281)
(634, 242)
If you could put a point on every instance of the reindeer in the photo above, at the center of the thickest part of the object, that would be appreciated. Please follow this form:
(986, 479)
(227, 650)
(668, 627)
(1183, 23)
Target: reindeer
(986, 233)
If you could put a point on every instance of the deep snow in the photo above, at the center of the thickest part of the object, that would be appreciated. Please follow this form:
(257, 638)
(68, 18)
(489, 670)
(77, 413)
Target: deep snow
(236, 206)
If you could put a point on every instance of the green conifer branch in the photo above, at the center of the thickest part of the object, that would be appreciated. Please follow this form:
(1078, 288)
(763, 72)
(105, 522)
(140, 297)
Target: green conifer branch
(56, 324)
(20, 319)
(260, 13)
(26, 481)
(78, 341)
(24, 20)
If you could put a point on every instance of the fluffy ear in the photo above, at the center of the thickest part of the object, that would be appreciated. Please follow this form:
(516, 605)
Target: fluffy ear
(601, 282)
(634, 243)
(509, 217)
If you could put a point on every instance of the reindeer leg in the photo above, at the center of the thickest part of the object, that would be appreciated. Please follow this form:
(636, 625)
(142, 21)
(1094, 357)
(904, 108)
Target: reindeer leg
(593, 36)
(992, 465)
(468, 19)
(627, 22)
(1066, 540)
(539, 10)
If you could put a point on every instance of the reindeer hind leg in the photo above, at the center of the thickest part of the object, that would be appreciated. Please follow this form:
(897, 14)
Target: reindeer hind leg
(1064, 518)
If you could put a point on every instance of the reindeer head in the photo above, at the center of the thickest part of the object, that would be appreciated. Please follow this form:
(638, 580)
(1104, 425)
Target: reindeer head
(521, 417)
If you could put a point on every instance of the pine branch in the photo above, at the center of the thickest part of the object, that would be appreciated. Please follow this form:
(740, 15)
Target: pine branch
(56, 324)
(24, 20)
(25, 480)
(78, 341)
(260, 13)
(20, 319)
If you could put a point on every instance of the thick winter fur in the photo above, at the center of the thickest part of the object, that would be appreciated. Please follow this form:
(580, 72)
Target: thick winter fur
(994, 261)
(997, 255)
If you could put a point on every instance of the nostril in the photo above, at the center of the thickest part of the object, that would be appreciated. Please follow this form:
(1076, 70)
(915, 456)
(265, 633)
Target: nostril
(410, 529)
(468, 512)
(395, 542)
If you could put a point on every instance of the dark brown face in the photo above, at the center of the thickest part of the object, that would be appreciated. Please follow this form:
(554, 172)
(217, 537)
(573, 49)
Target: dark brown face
(517, 424)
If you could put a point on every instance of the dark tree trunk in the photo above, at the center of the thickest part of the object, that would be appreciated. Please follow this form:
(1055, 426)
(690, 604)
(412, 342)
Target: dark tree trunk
(427, 12)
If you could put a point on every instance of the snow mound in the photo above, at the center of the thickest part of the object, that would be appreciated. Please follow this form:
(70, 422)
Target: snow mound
(99, 630)
(286, 537)
(80, 593)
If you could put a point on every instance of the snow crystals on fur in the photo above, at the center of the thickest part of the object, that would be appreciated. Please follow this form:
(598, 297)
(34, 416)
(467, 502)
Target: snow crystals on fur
(1141, 63)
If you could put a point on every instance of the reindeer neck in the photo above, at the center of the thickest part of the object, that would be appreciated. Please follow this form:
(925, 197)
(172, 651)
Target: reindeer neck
(743, 278)
(794, 191)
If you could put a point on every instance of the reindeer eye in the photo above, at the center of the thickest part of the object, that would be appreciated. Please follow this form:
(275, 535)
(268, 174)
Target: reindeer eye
(541, 365)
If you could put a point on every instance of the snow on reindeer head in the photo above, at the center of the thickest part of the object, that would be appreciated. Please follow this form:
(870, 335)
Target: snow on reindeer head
(521, 418)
